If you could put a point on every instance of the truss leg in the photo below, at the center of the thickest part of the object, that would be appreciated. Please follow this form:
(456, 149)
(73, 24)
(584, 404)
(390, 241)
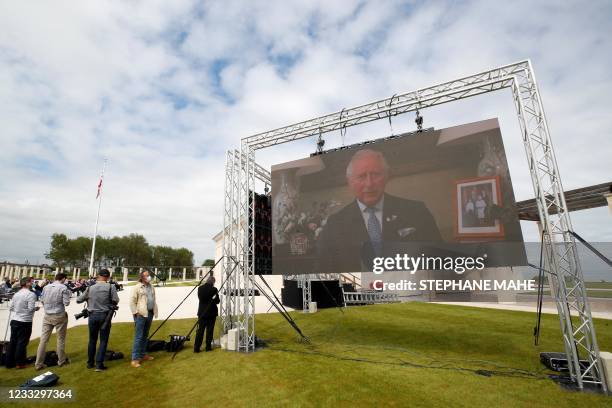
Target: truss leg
(561, 256)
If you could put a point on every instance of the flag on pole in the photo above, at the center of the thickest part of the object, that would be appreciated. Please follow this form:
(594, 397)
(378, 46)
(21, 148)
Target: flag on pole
(99, 188)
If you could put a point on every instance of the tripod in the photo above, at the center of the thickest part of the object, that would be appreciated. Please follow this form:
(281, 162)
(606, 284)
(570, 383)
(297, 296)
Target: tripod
(279, 306)
(209, 273)
(188, 336)
(8, 323)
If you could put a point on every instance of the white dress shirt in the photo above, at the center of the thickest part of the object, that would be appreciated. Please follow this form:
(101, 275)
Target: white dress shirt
(24, 305)
(55, 297)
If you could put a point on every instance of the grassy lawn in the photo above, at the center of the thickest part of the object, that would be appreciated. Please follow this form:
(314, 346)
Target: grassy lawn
(176, 284)
(599, 285)
(603, 294)
(599, 293)
(411, 354)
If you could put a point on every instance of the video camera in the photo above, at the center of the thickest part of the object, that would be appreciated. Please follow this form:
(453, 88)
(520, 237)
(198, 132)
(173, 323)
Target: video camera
(6, 297)
(118, 286)
(84, 313)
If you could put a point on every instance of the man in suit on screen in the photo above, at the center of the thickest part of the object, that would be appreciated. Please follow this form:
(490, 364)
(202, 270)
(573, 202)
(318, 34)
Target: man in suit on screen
(375, 223)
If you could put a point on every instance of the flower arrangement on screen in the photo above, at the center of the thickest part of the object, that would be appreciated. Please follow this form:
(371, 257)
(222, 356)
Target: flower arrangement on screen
(302, 228)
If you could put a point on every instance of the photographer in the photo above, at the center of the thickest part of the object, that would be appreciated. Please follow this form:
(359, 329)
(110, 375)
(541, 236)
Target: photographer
(144, 308)
(7, 284)
(55, 297)
(4, 293)
(24, 306)
(102, 300)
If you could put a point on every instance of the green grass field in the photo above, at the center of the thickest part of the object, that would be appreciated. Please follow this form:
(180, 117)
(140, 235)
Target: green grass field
(410, 354)
(599, 285)
(601, 294)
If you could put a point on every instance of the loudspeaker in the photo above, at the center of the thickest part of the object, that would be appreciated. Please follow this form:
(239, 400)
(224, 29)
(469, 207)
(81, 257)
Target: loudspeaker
(557, 361)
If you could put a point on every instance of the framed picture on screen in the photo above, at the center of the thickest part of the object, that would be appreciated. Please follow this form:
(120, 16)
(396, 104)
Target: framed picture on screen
(475, 199)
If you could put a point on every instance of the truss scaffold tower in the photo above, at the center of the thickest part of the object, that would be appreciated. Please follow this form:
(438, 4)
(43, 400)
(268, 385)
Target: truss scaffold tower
(560, 252)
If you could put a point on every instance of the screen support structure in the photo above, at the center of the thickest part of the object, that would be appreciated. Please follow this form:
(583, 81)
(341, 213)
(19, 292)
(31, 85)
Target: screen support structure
(561, 257)
(237, 303)
(305, 283)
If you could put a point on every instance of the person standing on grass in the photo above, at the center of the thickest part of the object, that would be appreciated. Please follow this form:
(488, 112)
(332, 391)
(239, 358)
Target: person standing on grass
(207, 314)
(144, 309)
(101, 300)
(24, 306)
(55, 297)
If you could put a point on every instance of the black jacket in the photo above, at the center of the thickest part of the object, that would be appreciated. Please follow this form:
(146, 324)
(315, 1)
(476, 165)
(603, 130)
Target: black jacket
(209, 298)
(344, 244)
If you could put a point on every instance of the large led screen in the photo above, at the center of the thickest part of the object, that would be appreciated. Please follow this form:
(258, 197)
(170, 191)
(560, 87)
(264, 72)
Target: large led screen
(446, 191)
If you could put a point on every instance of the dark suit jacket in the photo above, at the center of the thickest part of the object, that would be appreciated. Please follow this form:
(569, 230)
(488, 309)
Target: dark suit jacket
(344, 245)
(209, 298)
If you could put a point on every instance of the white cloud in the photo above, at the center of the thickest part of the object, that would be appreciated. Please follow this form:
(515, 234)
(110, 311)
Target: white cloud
(164, 88)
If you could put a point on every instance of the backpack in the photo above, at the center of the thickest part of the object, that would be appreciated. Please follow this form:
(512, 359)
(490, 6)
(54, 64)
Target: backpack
(113, 355)
(156, 345)
(176, 342)
(47, 379)
(51, 359)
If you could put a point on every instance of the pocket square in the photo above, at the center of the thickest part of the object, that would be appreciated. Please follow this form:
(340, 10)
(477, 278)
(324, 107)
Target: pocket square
(404, 232)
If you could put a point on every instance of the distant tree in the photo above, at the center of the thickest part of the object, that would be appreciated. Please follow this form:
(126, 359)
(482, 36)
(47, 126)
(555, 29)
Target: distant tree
(208, 262)
(80, 251)
(162, 256)
(130, 250)
(136, 250)
(59, 251)
(114, 251)
(184, 257)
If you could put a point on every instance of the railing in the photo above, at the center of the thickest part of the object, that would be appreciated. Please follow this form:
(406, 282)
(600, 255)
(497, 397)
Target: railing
(348, 277)
(369, 297)
(125, 273)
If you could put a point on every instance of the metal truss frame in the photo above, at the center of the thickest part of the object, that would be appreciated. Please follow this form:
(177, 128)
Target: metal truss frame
(237, 303)
(305, 283)
(561, 258)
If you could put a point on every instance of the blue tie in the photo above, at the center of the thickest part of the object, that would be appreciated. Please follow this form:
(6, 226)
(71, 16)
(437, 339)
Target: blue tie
(374, 231)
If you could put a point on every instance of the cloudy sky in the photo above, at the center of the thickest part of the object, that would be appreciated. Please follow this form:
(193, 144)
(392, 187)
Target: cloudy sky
(164, 88)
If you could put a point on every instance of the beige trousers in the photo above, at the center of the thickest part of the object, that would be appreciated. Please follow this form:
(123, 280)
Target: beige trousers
(58, 321)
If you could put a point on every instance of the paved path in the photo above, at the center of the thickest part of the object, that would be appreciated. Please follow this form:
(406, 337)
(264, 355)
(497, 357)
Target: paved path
(167, 299)
(550, 308)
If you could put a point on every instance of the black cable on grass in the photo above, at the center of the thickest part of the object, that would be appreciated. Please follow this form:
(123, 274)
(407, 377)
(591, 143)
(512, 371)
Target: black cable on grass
(442, 363)
(441, 360)
(513, 373)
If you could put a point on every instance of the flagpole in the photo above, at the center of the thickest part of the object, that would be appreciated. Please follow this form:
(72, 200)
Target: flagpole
(93, 246)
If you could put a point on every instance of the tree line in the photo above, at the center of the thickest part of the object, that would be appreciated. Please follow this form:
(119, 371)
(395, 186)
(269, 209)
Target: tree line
(129, 250)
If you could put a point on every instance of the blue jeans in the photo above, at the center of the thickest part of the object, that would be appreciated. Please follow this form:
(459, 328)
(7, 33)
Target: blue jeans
(96, 319)
(142, 325)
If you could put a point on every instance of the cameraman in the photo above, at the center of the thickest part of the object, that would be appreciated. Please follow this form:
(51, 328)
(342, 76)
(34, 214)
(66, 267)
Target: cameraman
(55, 297)
(101, 299)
